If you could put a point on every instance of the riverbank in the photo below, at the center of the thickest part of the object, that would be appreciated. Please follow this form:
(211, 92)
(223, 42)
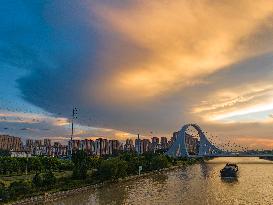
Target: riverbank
(54, 195)
(267, 158)
(190, 185)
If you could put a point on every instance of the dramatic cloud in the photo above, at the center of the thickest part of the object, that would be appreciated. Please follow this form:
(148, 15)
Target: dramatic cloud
(141, 66)
(183, 41)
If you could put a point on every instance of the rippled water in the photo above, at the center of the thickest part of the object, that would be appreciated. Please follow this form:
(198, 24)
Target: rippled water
(197, 184)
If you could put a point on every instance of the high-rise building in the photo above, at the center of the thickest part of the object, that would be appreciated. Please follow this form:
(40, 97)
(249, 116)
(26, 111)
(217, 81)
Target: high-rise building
(47, 142)
(75, 144)
(10, 143)
(129, 146)
(138, 146)
(155, 144)
(174, 137)
(113, 146)
(101, 147)
(87, 145)
(97, 150)
(164, 142)
(59, 150)
(146, 145)
(38, 143)
(29, 143)
(155, 140)
(104, 147)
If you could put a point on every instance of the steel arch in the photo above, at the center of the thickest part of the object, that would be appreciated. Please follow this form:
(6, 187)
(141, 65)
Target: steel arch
(179, 148)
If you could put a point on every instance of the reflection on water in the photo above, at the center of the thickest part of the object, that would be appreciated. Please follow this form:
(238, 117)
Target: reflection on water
(197, 184)
(205, 170)
(229, 180)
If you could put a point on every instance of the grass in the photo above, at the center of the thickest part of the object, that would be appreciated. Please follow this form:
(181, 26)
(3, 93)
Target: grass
(8, 179)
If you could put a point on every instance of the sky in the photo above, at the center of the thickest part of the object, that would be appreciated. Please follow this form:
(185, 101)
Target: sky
(137, 66)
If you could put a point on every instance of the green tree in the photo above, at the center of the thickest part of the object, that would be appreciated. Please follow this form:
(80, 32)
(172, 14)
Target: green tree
(4, 195)
(112, 169)
(49, 179)
(5, 165)
(22, 163)
(36, 164)
(15, 165)
(94, 162)
(49, 163)
(159, 162)
(64, 165)
(9, 164)
(19, 188)
(4, 153)
(79, 159)
(37, 180)
(133, 162)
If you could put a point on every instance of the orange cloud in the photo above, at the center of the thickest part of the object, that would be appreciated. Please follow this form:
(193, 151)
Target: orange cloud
(254, 143)
(238, 101)
(185, 41)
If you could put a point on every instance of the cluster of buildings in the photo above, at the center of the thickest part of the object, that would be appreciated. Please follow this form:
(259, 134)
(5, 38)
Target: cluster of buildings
(99, 147)
(146, 145)
(32, 147)
(10, 143)
(45, 147)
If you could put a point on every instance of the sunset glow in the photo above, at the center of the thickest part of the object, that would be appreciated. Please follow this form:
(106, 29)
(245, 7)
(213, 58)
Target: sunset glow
(138, 66)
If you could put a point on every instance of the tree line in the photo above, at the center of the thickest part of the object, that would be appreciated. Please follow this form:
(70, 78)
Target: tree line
(18, 165)
(85, 170)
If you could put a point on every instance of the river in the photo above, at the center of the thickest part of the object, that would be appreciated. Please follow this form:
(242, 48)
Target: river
(191, 185)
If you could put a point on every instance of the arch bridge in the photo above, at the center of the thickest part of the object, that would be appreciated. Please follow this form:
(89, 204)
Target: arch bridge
(206, 148)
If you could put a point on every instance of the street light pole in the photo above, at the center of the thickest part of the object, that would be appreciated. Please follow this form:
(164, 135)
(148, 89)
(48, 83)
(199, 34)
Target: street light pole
(74, 116)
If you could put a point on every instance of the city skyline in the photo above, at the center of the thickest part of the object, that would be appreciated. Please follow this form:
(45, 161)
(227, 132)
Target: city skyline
(205, 62)
(16, 147)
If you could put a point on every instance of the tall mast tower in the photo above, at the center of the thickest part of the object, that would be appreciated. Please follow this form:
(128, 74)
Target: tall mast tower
(74, 116)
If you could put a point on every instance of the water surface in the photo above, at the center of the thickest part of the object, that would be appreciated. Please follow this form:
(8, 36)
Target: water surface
(192, 185)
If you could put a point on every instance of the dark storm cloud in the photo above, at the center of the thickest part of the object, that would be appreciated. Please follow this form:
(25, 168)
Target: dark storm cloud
(72, 55)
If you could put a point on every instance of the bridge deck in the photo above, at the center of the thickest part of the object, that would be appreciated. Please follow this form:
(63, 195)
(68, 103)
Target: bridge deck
(236, 155)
